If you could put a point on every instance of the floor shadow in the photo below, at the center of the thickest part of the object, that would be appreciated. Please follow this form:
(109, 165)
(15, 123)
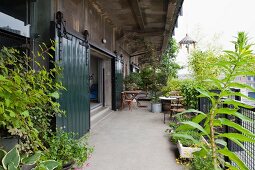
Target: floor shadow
(174, 149)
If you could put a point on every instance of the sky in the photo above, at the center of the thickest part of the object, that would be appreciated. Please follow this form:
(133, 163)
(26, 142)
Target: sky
(214, 23)
(13, 23)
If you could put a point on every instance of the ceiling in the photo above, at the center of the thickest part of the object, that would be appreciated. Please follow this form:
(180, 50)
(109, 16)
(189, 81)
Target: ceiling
(16, 10)
(154, 20)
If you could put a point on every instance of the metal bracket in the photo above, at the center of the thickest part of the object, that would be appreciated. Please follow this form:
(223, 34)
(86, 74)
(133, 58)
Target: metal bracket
(61, 25)
(86, 44)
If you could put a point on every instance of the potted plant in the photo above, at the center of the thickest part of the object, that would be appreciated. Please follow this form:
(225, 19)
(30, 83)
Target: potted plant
(157, 82)
(67, 150)
(186, 147)
(156, 106)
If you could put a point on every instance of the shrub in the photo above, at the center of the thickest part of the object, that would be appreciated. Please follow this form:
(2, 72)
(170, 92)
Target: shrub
(27, 97)
(65, 148)
(189, 93)
(187, 88)
(172, 85)
(133, 81)
(186, 142)
(201, 163)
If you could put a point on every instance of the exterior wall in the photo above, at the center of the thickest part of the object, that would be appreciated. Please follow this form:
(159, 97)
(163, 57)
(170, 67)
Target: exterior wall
(81, 15)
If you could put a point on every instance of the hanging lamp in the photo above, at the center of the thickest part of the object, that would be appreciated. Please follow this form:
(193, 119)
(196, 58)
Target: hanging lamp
(187, 41)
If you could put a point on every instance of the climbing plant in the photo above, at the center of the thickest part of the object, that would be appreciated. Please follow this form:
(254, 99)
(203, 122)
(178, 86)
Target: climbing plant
(235, 63)
(28, 97)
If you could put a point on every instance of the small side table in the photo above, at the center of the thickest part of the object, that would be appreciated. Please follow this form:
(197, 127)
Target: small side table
(169, 99)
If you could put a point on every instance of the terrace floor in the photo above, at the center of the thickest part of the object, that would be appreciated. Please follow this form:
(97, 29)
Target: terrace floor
(132, 140)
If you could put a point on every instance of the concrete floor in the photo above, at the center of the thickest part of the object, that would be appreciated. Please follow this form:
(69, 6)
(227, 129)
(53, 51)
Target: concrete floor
(132, 140)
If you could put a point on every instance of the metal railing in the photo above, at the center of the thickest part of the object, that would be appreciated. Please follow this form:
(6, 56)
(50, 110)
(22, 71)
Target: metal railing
(247, 155)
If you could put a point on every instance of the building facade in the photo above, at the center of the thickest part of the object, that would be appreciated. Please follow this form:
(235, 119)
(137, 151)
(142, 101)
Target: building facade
(95, 44)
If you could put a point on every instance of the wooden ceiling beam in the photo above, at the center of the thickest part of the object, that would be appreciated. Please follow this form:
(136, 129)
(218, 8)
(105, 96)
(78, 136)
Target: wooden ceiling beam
(174, 7)
(153, 32)
(137, 13)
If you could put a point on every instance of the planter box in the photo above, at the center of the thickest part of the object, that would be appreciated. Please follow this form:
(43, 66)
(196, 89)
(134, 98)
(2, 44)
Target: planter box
(187, 152)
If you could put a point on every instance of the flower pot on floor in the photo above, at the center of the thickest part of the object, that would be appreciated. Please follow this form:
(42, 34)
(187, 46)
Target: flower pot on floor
(156, 107)
(187, 151)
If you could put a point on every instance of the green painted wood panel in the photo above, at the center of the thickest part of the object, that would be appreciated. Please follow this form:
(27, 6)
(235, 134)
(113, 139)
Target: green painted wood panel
(74, 57)
(117, 83)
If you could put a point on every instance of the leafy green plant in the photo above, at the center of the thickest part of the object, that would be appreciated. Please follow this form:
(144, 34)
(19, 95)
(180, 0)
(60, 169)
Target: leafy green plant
(174, 125)
(133, 81)
(202, 65)
(157, 69)
(28, 97)
(146, 74)
(64, 148)
(239, 62)
(13, 161)
(173, 84)
(189, 93)
(201, 163)
(159, 80)
(186, 142)
(168, 63)
(187, 88)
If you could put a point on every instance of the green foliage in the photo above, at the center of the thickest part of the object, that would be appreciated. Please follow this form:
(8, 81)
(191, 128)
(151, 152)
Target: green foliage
(157, 70)
(27, 97)
(146, 74)
(159, 80)
(11, 158)
(133, 81)
(186, 142)
(168, 63)
(189, 93)
(202, 64)
(235, 63)
(172, 48)
(187, 87)
(64, 148)
(172, 85)
(12, 161)
(152, 80)
(202, 162)
(174, 126)
(28, 102)
(31, 160)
